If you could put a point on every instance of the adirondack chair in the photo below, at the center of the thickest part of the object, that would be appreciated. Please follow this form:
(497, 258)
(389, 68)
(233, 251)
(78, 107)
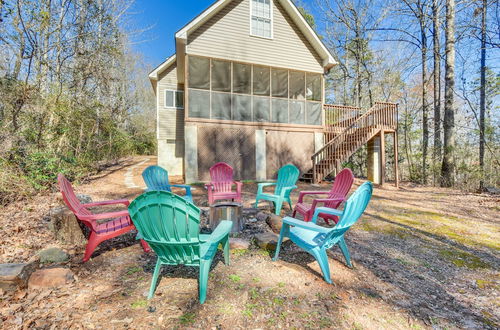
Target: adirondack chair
(156, 178)
(221, 184)
(170, 225)
(119, 222)
(316, 239)
(334, 197)
(287, 177)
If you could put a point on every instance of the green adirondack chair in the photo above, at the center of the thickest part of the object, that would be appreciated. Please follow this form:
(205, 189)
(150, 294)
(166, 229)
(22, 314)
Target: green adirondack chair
(287, 177)
(170, 225)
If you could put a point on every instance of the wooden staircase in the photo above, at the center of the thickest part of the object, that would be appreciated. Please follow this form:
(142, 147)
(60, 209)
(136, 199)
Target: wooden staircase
(346, 130)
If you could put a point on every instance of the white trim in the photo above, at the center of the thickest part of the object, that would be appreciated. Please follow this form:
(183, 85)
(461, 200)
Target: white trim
(271, 15)
(290, 8)
(175, 106)
(162, 67)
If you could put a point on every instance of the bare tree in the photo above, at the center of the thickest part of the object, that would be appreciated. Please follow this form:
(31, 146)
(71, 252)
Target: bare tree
(448, 165)
(437, 83)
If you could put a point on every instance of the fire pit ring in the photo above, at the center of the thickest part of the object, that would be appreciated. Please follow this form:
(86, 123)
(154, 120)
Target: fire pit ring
(231, 211)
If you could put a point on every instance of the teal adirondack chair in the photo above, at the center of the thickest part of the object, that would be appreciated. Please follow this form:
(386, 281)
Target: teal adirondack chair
(287, 177)
(156, 178)
(316, 239)
(170, 225)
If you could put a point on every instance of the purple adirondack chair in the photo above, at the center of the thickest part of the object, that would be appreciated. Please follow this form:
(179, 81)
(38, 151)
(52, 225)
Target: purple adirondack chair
(340, 189)
(221, 184)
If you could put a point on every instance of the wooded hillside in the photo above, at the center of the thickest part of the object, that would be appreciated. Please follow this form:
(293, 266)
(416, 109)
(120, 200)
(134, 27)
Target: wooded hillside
(73, 95)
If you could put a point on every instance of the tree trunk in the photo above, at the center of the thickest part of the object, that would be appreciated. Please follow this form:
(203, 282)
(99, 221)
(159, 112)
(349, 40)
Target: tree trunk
(448, 166)
(425, 110)
(482, 101)
(437, 86)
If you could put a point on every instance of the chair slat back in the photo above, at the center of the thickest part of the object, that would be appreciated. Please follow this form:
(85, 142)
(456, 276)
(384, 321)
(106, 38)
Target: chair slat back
(287, 177)
(70, 198)
(221, 176)
(169, 224)
(156, 178)
(341, 186)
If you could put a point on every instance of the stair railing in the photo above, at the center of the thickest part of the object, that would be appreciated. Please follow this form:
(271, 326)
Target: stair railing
(382, 115)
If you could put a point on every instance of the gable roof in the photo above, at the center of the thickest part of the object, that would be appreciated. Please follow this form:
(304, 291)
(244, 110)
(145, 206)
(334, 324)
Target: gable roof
(290, 8)
(153, 75)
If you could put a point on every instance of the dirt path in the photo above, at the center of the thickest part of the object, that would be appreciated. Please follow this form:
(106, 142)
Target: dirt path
(424, 258)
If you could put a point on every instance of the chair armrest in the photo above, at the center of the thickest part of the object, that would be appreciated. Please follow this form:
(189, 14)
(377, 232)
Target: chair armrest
(209, 186)
(304, 193)
(326, 200)
(185, 186)
(260, 186)
(288, 221)
(325, 210)
(287, 190)
(222, 230)
(113, 202)
(100, 216)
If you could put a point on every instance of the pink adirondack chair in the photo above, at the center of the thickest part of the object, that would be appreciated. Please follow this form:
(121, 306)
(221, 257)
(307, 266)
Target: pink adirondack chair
(334, 197)
(119, 222)
(221, 184)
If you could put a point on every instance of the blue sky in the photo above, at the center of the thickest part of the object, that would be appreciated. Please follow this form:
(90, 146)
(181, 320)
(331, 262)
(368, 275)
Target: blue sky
(163, 18)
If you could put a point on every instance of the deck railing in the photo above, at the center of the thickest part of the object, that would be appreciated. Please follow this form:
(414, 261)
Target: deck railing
(352, 133)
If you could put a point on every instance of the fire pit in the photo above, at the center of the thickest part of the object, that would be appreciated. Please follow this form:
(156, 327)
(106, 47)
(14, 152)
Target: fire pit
(226, 211)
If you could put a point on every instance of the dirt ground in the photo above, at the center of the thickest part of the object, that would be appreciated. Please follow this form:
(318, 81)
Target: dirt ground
(423, 258)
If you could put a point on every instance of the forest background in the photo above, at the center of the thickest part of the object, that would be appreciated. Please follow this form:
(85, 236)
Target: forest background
(75, 97)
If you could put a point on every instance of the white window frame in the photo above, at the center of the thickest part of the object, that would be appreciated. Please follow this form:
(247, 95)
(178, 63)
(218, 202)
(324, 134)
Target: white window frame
(175, 106)
(271, 18)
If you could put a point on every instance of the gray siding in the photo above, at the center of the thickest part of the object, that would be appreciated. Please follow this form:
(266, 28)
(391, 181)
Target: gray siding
(227, 36)
(170, 121)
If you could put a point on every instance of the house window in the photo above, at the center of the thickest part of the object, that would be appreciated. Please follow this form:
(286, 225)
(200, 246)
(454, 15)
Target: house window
(232, 91)
(174, 99)
(261, 18)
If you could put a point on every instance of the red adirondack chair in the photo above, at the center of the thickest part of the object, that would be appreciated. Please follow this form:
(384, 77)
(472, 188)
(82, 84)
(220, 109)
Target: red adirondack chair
(119, 222)
(221, 184)
(340, 189)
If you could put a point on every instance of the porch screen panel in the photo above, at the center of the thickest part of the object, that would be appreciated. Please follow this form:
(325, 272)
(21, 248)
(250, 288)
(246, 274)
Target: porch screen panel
(313, 87)
(242, 107)
(279, 79)
(261, 80)
(221, 106)
(297, 85)
(199, 72)
(242, 74)
(261, 109)
(313, 113)
(297, 112)
(221, 76)
(199, 103)
(279, 108)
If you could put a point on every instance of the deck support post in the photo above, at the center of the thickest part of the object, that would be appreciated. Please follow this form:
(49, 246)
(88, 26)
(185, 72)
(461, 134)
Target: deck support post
(382, 157)
(374, 163)
(396, 167)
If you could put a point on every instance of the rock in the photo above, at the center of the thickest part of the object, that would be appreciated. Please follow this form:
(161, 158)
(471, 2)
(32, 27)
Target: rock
(52, 255)
(492, 190)
(267, 240)
(66, 228)
(262, 216)
(50, 277)
(13, 276)
(250, 211)
(275, 222)
(84, 199)
(238, 244)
